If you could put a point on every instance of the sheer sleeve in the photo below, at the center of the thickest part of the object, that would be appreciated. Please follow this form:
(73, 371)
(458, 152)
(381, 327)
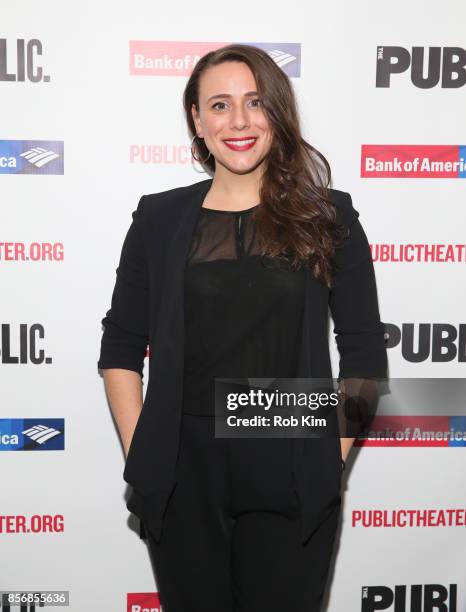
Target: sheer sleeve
(358, 330)
(125, 337)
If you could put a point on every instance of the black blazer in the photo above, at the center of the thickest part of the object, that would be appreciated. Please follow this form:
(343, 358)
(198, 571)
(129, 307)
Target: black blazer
(147, 310)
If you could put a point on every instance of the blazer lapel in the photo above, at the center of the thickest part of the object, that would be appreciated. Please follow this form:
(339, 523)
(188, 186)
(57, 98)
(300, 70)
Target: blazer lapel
(167, 352)
(170, 322)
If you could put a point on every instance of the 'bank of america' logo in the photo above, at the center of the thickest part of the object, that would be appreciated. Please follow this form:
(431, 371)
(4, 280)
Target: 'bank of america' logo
(281, 58)
(178, 58)
(31, 157)
(286, 55)
(41, 433)
(39, 156)
(32, 434)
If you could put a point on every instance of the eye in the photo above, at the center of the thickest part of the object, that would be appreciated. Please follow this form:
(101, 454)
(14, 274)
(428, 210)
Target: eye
(216, 104)
(256, 102)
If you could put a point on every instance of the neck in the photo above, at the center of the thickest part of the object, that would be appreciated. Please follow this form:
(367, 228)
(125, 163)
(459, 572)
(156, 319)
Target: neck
(242, 189)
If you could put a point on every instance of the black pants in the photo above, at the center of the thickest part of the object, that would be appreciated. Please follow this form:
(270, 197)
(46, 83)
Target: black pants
(231, 534)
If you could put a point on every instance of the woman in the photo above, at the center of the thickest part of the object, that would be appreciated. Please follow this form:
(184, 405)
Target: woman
(232, 277)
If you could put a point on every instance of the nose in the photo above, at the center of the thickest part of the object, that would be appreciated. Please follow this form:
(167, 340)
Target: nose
(239, 117)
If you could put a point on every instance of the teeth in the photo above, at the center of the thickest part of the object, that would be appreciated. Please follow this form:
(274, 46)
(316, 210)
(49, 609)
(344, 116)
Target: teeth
(240, 143)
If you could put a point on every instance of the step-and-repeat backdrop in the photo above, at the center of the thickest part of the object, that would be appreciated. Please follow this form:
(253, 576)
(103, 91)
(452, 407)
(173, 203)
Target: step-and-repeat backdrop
(91, 119)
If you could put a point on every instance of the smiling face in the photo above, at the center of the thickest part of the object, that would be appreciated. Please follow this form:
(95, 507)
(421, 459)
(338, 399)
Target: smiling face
(230, 117)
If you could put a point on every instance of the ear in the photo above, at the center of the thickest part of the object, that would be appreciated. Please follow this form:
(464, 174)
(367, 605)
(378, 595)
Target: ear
(197, 120)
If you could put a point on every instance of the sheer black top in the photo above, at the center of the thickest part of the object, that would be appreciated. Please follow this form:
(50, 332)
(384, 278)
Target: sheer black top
(243, 311)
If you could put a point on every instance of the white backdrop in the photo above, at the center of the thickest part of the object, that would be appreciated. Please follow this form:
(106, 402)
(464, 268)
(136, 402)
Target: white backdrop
(88, 100)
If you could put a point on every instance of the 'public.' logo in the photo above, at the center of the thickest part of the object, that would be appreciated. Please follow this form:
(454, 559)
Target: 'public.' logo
(20, 61)
(419, 598)
(21, 344)
(441, 342)
(446, 66)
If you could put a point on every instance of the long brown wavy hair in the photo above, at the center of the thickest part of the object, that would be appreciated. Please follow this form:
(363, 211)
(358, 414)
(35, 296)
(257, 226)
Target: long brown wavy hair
(297, 221)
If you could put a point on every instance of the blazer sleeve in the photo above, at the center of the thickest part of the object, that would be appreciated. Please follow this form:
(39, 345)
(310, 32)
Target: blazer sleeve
(353, 303)
(126, 325)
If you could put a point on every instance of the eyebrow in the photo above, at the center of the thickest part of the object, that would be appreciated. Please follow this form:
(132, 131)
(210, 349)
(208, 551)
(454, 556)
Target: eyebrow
(248, 93)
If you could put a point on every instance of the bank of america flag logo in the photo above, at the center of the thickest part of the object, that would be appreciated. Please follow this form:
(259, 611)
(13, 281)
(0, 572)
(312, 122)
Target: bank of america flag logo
(31, 157)
(286, 55)
(32, 434)
(39, 156)
(281, 58)
(41, 433)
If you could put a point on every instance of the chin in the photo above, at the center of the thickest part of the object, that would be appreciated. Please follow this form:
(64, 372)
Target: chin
(243, 168)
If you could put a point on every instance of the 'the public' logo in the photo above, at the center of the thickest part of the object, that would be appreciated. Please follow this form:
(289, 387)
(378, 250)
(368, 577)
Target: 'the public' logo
(435, 342)
(20, 61)
(410, 598)
(21, 344)
(446, 66)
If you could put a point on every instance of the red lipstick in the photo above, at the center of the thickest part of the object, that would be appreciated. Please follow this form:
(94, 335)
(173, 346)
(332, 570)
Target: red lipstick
(240, 144)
